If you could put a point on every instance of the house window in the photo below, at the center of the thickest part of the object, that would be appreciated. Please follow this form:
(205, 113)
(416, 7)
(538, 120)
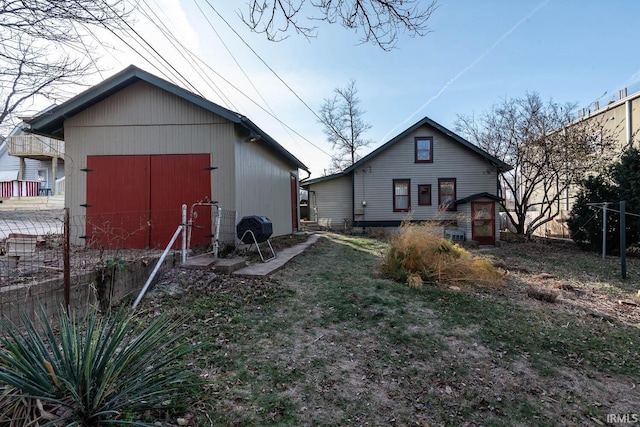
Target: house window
(424, 195)
(401, 196)
(447, 194)
(424, 149)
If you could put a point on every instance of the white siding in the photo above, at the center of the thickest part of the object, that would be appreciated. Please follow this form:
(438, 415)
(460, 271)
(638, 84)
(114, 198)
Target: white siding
(373, 181)
(12, 163)
(263, 186)
(333, 201)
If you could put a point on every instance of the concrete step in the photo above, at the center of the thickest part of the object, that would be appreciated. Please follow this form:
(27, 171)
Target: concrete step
(310, 226)
(32, 203)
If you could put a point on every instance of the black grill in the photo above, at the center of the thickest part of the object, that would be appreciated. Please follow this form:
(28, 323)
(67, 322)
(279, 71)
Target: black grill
(260, 226)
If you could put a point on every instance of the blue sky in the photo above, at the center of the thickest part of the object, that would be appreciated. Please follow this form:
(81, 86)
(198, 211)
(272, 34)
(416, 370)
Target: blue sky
(478, 53)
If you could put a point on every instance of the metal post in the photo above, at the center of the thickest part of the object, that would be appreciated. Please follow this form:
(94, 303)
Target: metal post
(604, 230)
(66, 267)
(217, 237)
(623, 242)
(184, 234)
(157, 267)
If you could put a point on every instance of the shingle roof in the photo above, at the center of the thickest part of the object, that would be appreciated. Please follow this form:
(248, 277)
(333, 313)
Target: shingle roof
(51, 122)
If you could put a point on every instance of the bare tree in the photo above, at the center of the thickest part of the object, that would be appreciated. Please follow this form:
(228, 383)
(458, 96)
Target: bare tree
(379, 20)
(43, 50)
(549, 150)
(344, 126)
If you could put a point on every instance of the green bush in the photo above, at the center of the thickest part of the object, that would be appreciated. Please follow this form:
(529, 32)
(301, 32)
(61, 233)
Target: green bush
(90, 371)
(620, 181)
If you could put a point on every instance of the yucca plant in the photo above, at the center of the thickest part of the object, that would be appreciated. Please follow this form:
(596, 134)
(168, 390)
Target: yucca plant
(93, 371)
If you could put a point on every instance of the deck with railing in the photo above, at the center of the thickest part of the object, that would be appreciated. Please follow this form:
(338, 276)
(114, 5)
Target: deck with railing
(35, 146)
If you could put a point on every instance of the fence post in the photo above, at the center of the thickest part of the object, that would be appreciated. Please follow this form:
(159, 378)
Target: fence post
(604, 230)
(67, 259)
(623, 242)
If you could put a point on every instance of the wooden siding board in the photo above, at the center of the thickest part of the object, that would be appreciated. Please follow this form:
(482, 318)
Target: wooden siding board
(373, 181)
(263, 183)
(333, 200)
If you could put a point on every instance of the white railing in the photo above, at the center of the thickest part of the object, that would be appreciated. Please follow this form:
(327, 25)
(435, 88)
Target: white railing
(60, 185)
(35, 145)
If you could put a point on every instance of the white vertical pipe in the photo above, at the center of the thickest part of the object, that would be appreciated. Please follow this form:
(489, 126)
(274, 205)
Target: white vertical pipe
(184, 234)
(217, 236)
(157, 267)
(628, 121)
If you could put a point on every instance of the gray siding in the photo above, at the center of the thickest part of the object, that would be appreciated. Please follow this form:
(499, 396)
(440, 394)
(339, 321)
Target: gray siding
(332, 201)
(373, 181)
(263, 186)
(144, 119)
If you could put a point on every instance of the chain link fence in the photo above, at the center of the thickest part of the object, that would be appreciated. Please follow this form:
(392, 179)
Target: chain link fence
(48, 259)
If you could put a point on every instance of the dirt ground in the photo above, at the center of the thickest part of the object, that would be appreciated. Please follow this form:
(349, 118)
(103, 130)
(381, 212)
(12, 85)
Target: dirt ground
(352, 376)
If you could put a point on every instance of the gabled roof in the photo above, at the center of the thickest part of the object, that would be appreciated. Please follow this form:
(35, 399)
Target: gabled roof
(306, 182)
(476, 196)
(427, 121)
(51, 122)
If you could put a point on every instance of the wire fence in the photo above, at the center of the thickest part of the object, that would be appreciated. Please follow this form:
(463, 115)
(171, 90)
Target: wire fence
(47, 259)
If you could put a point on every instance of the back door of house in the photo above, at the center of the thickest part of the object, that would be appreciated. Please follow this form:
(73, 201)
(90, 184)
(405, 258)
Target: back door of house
(135, 201)
(483, 223)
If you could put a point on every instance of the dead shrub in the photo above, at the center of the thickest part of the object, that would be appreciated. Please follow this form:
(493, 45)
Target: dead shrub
(416, 252)
(415, 281)
(542, 294)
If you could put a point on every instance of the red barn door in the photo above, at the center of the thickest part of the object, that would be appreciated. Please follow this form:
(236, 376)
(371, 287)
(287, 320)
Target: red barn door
(178, 179)
(117, 201)
(135, 201)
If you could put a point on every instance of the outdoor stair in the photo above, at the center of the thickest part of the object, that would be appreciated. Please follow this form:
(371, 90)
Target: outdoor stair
(310, 226)
(32, 203)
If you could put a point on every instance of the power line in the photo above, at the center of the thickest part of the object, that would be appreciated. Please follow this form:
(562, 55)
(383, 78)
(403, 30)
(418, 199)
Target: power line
(210, 68)
(238, 64)
(126, 44)
(272, 115)
(171, 37)
(185, 80)
(264, 62)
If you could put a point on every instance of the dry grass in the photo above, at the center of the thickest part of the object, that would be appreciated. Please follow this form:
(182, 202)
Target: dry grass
(417, 256)
(542, 294)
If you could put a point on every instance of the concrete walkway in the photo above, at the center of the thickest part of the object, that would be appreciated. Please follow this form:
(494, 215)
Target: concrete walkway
(262, 269)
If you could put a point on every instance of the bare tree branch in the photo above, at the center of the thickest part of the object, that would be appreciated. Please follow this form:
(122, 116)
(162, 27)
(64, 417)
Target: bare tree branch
(380, 21)
(344, 126)
(42, 53)
(549, 151)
